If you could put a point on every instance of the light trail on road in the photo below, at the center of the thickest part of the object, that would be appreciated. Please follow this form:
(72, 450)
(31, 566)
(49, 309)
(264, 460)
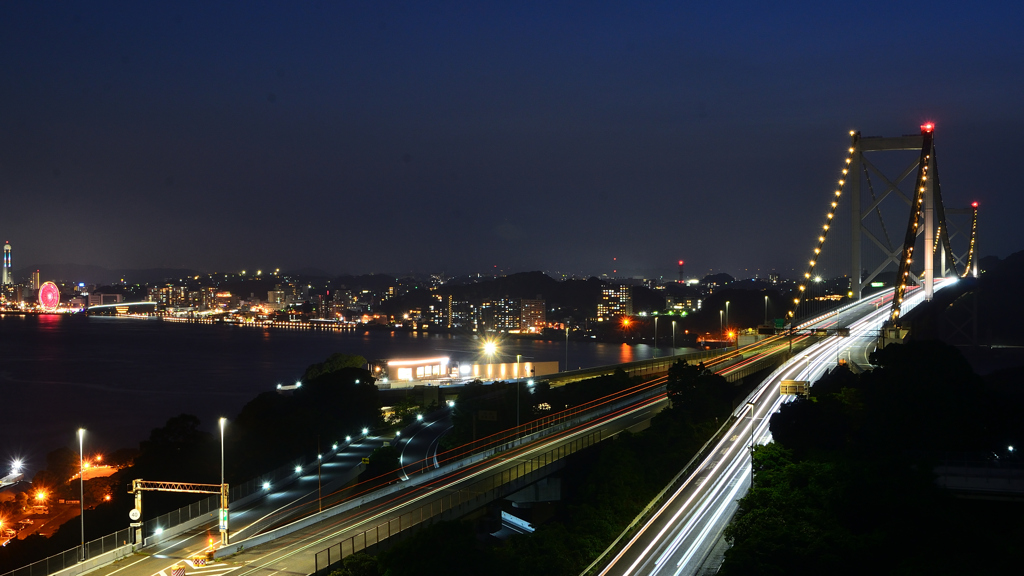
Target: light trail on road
(679, 535)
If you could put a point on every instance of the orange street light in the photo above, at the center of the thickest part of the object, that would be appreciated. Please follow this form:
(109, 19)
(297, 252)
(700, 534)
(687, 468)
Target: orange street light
(40, 496)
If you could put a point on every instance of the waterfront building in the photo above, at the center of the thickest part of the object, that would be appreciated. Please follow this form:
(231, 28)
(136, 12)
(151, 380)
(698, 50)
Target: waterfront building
(532, 315)
(615, 301)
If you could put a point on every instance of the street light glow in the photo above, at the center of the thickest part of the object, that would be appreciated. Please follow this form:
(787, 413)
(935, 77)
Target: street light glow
(266, 485)
(366, 431)
(298, 469)
(490, 348)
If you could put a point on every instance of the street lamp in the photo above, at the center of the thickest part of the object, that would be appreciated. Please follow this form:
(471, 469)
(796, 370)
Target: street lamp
(81, 485)
(655, 336)
(727, 313)
(673, 337)
(224, 512)
(751, 406)
(518, 386)
(721, 325)
(566, 348)
(766, 309)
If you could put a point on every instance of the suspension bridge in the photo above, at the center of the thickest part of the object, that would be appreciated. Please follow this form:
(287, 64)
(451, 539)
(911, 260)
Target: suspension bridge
(857, 278)
(864, 258)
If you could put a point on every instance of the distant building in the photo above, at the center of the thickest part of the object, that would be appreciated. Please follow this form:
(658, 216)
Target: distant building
(7, 280)
(34, 284)
(462, 314)
(680, 303)
(532, 315)
(501, 315)
(99, 299)
(615, 301)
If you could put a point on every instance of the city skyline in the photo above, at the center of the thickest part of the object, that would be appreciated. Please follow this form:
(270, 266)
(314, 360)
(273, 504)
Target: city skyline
(361, 139)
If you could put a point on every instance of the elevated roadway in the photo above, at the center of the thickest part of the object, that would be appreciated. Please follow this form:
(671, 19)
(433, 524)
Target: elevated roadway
(679, 536)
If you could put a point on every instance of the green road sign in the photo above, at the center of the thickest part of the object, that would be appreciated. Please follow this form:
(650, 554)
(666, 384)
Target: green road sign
(780, 322)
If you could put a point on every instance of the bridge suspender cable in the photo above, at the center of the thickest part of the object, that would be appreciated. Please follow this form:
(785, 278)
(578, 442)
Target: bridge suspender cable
(854, 138)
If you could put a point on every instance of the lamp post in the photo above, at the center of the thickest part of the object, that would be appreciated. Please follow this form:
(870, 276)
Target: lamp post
(224, 514)
(566, 348)
(673, 337)
(727, 313)
(721, 325)
(518, 357)
(766, 309)
(655, 336)
(751, 406)
(81, 485)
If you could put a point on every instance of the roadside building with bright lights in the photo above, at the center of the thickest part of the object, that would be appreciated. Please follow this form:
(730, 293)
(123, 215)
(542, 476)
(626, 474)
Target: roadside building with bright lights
(615, 301)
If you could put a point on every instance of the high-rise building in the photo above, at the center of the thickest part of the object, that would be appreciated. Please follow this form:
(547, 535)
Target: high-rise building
(532, 317)
(35, 284)
(615, 301)
(7, 280)
(500, 315)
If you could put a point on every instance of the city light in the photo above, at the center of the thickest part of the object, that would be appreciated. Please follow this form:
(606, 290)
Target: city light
(266, 485)
(298, 469)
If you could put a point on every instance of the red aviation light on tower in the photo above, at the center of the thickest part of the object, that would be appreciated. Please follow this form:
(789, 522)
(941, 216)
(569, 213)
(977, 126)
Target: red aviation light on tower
(974, 204)
(927, 127)
(680, 262)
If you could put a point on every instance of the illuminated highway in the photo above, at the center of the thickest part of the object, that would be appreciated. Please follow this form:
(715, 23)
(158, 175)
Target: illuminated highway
(677, 538)
(279, 506)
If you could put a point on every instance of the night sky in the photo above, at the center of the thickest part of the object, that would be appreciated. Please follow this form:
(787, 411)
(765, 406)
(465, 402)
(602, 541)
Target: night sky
(359, 136)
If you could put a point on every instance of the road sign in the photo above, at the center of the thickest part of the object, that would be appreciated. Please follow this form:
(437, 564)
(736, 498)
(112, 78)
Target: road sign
(135, 514)
(366, 460)
(793, 387)
(780, 322)
(844, 332)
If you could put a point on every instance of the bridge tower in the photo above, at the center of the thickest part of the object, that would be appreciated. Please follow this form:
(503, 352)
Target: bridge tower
(865, 172)
(861, 169)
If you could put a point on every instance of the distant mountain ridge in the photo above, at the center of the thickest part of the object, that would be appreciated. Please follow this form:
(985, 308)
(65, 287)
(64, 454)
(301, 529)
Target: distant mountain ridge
(99, 275)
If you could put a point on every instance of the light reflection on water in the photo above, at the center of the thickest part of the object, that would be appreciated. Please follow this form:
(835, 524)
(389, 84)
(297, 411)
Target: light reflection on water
(120, 378)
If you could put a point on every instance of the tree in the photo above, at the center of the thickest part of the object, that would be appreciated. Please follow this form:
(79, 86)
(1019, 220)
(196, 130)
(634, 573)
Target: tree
(333, 363)
(697, 393)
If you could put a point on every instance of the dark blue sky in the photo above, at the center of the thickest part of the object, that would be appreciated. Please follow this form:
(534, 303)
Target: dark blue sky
(379, 136)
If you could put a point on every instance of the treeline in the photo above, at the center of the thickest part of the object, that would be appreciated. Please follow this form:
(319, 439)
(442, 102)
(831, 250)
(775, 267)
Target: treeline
(337, 398)
(603, 490)
(849, 487)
